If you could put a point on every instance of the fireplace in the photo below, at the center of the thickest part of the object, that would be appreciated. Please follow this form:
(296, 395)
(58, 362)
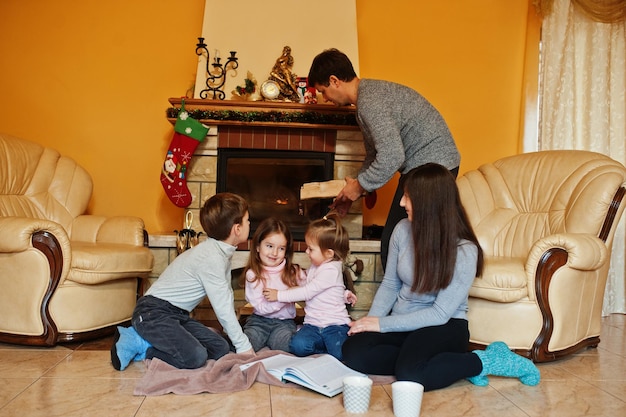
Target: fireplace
(292, 136)
(270, 181)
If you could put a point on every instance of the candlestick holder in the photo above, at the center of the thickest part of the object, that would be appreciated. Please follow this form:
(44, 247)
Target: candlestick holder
(215, 71)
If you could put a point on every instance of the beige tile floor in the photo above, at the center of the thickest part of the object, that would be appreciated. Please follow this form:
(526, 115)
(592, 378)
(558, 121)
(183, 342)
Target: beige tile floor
(78, 380)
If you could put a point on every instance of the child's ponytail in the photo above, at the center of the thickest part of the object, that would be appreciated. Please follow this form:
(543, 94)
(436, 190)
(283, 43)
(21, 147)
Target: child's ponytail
(330, 234)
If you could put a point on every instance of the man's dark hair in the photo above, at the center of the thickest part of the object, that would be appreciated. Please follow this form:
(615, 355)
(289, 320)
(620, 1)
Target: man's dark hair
(330, 62)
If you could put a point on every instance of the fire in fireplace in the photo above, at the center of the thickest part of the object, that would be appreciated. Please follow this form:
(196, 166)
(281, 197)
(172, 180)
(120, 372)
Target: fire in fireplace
(270, 181)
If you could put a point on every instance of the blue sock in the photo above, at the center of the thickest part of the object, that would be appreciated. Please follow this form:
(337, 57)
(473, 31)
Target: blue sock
(499, 360)
(127, 346)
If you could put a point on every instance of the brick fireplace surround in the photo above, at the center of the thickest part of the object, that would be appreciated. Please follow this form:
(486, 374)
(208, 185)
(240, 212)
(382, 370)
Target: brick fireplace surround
(344, 141)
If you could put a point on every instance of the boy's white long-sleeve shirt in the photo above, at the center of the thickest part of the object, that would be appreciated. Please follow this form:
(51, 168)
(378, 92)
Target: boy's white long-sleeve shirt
(324, 293)
(203, 271)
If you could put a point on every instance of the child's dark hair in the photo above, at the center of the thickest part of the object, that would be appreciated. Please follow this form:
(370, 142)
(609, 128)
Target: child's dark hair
(266, 228)
(328, 233)
(220, 212)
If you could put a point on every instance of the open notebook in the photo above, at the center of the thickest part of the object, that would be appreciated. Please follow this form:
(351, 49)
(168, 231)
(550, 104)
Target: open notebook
(323, 373)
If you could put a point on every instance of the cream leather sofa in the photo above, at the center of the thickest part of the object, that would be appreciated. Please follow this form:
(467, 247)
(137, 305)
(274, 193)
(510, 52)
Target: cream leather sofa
(64, 275)
(546, 222)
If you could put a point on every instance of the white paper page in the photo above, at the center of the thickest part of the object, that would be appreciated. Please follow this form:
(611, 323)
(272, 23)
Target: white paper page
(277, 362)
(324, 371)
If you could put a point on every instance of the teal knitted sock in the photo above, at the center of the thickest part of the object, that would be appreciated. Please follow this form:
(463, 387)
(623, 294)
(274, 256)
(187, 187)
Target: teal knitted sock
(127, 346)
(499, 360)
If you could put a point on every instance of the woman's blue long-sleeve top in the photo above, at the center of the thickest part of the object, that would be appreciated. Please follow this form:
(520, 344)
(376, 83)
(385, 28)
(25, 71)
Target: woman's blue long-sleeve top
(401, 310)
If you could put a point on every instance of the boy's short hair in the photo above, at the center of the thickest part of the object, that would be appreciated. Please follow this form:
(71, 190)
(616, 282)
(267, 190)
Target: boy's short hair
(220, 212)
(330, 62)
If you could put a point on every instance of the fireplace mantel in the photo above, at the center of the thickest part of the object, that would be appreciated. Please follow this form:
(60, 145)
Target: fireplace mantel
(343, 140)
(257, 113)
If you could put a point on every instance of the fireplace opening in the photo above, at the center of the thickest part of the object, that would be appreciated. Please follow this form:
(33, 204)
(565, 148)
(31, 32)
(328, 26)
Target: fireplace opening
(270, 181)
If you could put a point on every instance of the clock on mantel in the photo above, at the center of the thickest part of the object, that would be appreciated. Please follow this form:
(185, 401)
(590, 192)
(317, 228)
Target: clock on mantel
(266, 113)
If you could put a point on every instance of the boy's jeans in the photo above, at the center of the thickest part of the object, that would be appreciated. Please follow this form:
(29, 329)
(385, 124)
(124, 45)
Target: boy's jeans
(311, 339)
(175, 337)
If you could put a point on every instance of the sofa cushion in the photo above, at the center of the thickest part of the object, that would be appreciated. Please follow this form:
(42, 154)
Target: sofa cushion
(96, 263)
(503, 280)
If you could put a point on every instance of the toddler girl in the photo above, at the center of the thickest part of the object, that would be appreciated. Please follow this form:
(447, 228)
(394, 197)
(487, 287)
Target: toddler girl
(326, 316)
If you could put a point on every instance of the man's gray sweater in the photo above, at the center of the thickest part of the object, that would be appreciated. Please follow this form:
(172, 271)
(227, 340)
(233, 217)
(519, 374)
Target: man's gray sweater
(401, 131)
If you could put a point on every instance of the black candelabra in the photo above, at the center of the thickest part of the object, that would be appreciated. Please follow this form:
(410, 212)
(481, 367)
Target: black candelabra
(216, 76)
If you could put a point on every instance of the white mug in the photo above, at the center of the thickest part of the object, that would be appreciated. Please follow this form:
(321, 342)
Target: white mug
(407, 398)
(357, 391)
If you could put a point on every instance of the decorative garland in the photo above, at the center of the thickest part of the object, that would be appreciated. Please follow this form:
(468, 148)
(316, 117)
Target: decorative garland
(248, 88)
(310, 117)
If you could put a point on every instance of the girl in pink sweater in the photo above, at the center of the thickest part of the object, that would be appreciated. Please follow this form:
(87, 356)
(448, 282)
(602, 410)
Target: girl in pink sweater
(326, 316)
(270, 265)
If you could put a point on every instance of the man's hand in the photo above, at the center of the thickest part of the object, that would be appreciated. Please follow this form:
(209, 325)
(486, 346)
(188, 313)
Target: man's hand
(352, 191)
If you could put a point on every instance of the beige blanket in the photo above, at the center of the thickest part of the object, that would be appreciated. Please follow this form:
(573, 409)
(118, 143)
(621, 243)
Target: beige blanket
(217, 376)
(222, 375)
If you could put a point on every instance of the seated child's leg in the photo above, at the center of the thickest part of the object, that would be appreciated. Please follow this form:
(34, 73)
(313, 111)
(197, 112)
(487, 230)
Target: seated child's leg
(258, 329)
(307, 341)
(334, 336)
(281, 335)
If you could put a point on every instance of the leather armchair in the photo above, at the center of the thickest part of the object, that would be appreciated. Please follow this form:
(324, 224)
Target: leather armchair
(64, 275)
(546, 222)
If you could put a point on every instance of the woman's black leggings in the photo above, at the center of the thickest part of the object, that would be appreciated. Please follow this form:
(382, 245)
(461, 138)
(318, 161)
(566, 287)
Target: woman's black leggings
(436, 356)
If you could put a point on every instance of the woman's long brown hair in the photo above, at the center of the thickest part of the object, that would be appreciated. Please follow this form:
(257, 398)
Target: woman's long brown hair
(439, 222)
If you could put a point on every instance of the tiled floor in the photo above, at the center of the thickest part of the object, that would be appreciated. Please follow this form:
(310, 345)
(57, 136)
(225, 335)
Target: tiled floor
(80, 381)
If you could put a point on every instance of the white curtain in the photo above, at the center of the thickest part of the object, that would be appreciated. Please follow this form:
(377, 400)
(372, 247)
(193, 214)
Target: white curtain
(582, 85)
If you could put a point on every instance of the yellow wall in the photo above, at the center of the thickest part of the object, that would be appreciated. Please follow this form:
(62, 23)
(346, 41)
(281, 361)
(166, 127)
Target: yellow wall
(466, 57)
(92, 80)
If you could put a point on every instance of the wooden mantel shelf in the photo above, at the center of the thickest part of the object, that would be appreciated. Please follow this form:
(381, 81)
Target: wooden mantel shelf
(266, 114)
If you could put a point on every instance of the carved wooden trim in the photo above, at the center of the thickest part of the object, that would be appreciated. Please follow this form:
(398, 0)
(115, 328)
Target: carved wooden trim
(90, 335)
(48, 244)
(550, 262)
(611, 213)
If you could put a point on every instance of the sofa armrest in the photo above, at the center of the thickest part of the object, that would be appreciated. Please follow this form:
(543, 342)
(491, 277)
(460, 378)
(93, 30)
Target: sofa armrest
(551, 263)
(582, 252)
(127, 230)
(585, 252)
(39, 249)
(16, 235)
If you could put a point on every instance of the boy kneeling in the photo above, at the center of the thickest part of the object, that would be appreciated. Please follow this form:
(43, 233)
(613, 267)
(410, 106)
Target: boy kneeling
(161, 323)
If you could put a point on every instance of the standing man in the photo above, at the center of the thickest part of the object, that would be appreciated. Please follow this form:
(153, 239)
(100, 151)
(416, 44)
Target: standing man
(401, 130)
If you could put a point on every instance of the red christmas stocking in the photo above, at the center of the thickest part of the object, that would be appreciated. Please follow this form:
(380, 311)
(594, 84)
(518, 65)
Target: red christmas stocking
(188, 133)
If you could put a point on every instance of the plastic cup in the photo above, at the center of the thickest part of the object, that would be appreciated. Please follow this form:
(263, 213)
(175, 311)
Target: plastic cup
(357, 391)
(407, 398)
